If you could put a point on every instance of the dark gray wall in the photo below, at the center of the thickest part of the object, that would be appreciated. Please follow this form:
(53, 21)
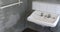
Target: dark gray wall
(24, 9)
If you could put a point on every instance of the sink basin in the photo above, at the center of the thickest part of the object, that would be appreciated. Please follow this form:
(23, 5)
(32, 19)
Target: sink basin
(44, 18)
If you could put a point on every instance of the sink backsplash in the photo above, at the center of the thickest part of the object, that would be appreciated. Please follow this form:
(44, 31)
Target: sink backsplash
(49, 7)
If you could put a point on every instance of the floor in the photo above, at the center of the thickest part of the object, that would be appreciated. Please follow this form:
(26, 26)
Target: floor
(29, 30)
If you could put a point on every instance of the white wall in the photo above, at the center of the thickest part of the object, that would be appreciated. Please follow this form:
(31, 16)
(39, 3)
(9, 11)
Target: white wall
(49, 7)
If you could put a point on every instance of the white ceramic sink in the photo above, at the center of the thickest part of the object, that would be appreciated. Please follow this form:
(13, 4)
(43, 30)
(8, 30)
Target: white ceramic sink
(44, 18)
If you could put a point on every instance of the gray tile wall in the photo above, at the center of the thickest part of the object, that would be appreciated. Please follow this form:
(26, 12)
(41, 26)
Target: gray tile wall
(6, 2)
(16, 9)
